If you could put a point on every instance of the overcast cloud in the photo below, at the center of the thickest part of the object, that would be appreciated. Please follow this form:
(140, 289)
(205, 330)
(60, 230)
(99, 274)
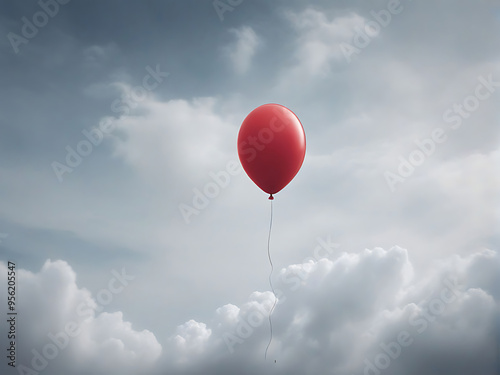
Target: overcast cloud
(116, 116)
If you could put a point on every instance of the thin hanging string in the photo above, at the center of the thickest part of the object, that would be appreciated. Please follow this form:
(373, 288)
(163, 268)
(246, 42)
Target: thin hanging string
(270, 278)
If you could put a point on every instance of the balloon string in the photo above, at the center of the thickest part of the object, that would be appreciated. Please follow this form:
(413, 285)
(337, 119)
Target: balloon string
(270, 281)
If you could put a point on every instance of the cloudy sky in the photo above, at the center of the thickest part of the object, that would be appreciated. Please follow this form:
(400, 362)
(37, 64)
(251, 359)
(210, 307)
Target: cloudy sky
(117, 115)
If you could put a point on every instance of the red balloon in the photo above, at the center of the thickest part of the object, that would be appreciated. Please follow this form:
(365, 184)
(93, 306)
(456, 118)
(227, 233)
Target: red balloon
(271, 146)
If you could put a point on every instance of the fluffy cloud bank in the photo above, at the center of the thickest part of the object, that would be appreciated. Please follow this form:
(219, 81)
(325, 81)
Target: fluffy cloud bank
(365, 313)
(62, 328)
(355, 313)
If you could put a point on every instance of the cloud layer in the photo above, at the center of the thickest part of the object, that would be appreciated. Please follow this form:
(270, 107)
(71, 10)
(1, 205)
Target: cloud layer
(360, 313)
(432, 308)
(62, 327)
(347, 313)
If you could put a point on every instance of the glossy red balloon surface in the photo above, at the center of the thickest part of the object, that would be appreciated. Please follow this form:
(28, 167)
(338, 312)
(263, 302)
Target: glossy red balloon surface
(271, 146)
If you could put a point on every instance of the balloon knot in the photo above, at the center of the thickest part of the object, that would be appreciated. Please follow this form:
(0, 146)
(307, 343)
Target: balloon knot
(271, 197)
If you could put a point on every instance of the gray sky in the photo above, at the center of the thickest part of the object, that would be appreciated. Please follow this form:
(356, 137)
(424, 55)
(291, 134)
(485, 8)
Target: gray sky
(385, 244)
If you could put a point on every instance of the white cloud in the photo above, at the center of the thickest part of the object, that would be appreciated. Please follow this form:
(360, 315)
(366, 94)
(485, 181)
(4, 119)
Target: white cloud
(242, 51)
(318, 43)
(61, 322)
(337, 316)
(191, 340)
(175, 137)
(347, 314)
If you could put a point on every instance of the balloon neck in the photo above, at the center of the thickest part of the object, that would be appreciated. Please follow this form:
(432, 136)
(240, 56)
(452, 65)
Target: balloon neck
(271, 197)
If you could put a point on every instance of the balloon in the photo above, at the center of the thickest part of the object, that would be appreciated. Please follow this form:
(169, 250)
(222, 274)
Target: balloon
(271, 146)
